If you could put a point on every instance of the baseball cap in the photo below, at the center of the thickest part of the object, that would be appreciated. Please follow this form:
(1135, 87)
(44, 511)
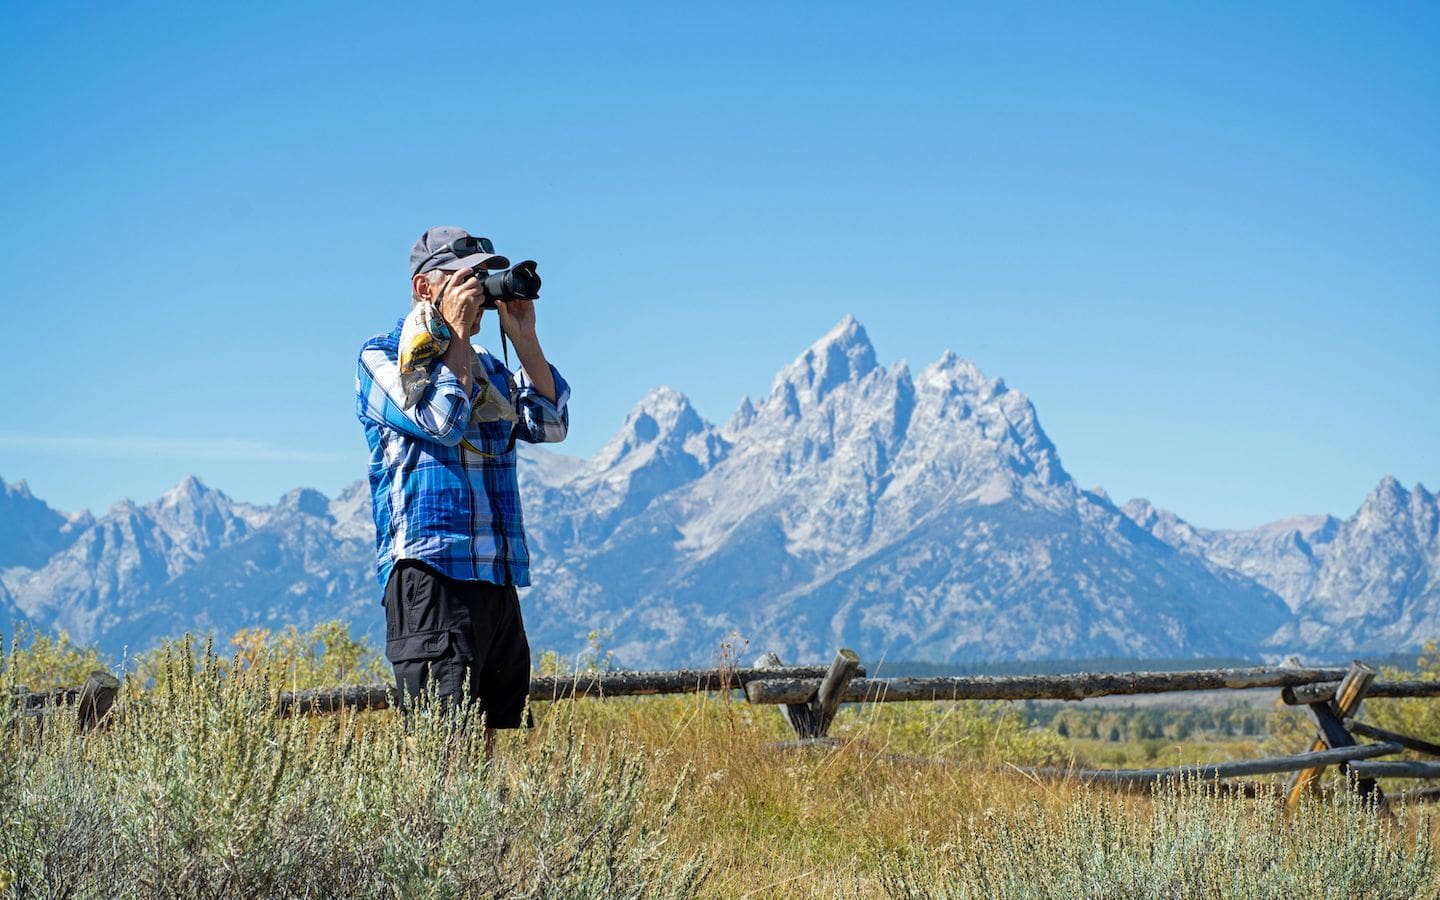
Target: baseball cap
(450, 248)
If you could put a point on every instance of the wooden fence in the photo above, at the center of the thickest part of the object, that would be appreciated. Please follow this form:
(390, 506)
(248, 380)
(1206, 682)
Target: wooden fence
(809, 696)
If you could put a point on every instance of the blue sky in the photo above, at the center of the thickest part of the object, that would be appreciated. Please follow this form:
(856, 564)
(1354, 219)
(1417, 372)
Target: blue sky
(1205, 242)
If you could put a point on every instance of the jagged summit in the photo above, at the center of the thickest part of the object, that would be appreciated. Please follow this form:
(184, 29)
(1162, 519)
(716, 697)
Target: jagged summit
(20, 489)
(743, 416)
(664, 418)
(188, 491)
(843, 354)
(954, 372)
(306, 501)
(31, 530)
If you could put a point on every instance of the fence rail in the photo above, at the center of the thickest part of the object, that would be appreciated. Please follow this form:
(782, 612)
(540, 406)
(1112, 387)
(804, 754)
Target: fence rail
(1078, 686)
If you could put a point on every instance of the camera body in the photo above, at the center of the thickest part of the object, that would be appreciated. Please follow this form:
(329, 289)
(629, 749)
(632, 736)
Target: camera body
(519, 282)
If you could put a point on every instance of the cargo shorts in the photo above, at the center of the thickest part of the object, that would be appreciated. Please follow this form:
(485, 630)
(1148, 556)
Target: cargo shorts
(464, 639)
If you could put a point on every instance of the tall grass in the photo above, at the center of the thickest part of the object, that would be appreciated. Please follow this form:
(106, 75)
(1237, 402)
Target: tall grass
(1188, 842)
(197, 790)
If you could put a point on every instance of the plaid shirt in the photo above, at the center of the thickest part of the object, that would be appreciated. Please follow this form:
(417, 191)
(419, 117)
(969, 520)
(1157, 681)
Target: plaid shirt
(443, 487)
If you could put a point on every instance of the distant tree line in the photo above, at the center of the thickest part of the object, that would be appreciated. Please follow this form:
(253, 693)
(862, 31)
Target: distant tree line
(1236, 719)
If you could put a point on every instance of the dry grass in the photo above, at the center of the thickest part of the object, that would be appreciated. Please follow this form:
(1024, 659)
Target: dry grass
(197, 791)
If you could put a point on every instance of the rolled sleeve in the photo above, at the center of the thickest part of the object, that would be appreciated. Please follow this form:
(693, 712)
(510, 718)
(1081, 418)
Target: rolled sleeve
(439, 415)
(540, 420)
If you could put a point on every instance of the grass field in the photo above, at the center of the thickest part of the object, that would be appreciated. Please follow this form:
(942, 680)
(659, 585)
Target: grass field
(197, 792)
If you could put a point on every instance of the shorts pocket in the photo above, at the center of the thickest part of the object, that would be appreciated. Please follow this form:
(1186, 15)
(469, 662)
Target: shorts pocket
(416, 647)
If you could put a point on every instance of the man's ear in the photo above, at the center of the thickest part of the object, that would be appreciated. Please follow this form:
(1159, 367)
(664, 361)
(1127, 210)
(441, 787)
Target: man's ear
(420, 287)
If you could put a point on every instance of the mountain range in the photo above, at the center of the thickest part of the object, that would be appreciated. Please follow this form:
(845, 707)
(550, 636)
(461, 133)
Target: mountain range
(911, 516)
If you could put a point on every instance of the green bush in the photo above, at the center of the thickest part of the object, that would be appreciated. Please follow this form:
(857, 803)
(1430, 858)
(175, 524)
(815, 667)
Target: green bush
(325, 656)
(41, 662)
(1418, 716)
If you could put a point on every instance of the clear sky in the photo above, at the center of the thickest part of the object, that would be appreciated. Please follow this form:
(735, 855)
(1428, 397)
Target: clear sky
(1204, 240)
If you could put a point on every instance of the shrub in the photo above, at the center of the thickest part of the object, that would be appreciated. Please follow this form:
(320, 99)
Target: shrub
(1418, 716)
(198, 791)
(1193, 843)
(41, 662)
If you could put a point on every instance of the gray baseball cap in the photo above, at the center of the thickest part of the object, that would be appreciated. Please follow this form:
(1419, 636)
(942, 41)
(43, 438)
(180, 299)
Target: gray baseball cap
(450, 248)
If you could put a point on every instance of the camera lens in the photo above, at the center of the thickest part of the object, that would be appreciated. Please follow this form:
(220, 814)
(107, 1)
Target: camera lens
(520, 282)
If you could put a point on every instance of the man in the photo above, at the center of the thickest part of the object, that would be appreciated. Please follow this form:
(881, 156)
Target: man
(450, 544)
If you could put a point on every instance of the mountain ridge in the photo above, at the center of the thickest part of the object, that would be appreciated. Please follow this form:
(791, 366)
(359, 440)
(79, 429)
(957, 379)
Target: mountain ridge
(906, 515)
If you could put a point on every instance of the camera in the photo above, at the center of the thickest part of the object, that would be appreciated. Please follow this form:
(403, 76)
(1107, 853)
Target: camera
(519, 282)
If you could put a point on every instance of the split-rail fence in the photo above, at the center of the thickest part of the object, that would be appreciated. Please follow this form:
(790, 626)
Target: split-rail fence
(810, 696)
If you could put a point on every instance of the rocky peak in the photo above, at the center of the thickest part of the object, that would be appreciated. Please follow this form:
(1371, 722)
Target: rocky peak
(998, 421)
(196, 517)
(187, 494)
(742, 419)
(844, 354)
(1163, 524)
(33, 531)
(955, 373)
(18, 490)
(306, 501)
(662, 444)
(664, 418)
(1383, 506)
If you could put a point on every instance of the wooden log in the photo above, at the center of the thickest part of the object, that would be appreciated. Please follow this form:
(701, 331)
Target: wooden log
(1078, 686)
(832, 688)
(1417, 795)
(680, 681)
(329, 700)
(1400, 768)
(555, 687)
(27, 699)
(97, 696)
(815, 743)
(1329, 716)
(1238, 769)
(1381, 734)
(1303, 695)
(799, 713)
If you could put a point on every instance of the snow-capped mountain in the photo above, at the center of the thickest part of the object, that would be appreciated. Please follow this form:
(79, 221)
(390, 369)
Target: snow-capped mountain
(915, 517)
(1370, 583)
(196, 560)
(912, 517)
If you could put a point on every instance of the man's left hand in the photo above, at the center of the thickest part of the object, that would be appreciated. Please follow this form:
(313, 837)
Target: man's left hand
(517, 318)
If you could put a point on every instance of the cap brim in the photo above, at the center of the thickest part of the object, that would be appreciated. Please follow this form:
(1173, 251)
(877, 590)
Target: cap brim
(483, 260)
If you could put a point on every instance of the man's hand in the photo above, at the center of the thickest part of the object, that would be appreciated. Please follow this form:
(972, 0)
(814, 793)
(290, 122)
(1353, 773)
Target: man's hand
(460, 303)
(517, 318)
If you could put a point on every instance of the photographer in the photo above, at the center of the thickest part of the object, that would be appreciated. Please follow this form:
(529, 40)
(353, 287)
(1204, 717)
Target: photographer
(450, 545)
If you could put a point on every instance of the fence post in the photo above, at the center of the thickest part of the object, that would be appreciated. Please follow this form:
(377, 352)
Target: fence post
(812, 718)
(97, 696)
(827, 701)
(800, 715)
(1329, 717)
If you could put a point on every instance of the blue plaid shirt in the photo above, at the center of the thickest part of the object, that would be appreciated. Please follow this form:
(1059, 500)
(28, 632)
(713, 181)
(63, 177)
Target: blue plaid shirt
(443, 487)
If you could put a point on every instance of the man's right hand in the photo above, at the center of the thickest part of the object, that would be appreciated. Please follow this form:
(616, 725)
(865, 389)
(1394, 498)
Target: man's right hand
(460, 302)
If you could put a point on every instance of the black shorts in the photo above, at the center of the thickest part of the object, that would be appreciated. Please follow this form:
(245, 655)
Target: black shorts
(465, 637)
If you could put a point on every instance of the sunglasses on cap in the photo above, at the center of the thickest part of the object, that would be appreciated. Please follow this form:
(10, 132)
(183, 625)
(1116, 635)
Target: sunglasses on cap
(461, 247)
